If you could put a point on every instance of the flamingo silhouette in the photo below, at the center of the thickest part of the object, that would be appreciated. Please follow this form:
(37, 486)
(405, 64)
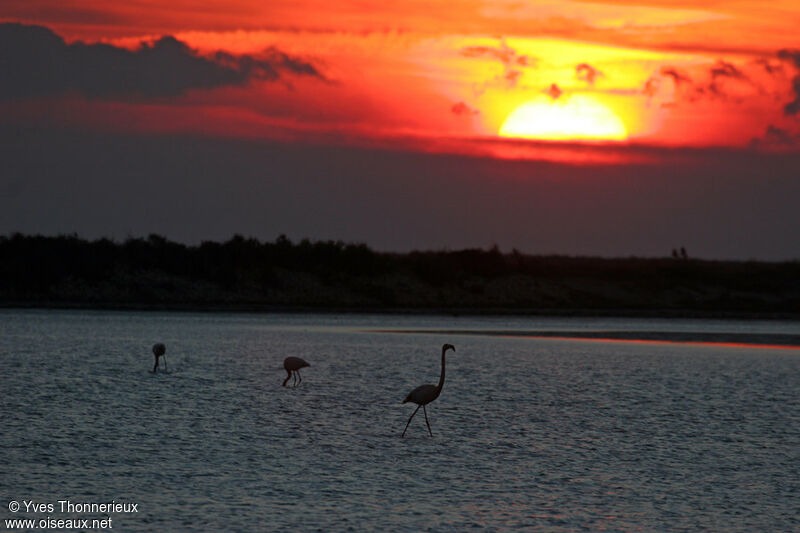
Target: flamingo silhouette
(293, 366)
(425, 394)
(158, 350)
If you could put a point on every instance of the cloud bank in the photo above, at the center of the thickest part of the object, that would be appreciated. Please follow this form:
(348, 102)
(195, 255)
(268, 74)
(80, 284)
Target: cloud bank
(36, 62)
(793, 56)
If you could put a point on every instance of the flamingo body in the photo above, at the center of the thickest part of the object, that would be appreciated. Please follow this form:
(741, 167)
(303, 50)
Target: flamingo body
(425, 394)
(158, 350)
(292, 365)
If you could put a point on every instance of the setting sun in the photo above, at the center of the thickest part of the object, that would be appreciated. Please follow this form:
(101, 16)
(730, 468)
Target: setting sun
(576, 117)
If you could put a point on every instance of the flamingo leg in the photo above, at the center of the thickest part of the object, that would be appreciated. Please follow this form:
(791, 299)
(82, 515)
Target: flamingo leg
(299, 376)
(426, 420)
(409, 420)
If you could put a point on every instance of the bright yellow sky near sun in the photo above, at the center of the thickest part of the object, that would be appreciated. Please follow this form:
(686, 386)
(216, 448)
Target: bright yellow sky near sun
(666, 72)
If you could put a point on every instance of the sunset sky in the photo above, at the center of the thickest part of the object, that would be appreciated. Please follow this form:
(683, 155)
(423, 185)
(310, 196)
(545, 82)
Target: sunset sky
(574, 127)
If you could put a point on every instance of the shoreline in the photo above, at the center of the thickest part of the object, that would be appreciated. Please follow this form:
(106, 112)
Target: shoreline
(757, 340)
(412, 311)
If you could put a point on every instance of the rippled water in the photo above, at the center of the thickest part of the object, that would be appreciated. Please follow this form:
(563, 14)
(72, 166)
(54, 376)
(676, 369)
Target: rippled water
(529, 434)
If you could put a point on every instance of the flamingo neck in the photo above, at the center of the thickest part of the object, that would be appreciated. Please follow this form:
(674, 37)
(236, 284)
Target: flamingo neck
(441, 377)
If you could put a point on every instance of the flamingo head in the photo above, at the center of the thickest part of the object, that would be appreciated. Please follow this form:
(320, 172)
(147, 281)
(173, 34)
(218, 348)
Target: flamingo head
(448, 347)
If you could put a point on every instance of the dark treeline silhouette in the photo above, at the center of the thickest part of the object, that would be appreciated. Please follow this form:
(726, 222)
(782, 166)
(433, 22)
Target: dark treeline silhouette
(245, 273)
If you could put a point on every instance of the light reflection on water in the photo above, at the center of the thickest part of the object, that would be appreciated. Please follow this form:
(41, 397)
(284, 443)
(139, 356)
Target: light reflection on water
(539, 434)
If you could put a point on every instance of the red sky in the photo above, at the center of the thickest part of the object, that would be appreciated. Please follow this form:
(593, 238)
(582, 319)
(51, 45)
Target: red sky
(587, 82)
(676, 73)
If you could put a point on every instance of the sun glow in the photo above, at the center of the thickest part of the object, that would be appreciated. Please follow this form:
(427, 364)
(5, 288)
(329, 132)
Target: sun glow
(575, 117)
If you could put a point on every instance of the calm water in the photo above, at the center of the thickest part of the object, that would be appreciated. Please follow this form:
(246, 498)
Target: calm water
(529, 434)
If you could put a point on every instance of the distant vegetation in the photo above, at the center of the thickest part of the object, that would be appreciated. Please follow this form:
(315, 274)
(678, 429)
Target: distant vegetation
(247, 274)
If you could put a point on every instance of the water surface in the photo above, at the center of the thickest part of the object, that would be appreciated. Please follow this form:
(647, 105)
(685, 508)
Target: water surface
(538, 434)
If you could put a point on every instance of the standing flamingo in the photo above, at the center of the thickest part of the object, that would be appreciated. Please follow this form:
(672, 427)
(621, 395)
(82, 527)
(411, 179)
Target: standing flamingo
(425, 394)
(158, 350)
(293, 366)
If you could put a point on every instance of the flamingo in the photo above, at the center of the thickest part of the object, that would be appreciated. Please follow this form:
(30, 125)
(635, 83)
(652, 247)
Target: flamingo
(293, 366)
(158, 350)
(425, 394)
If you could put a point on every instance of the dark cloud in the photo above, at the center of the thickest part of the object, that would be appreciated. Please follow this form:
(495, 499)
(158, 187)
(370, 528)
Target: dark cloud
(526, 61)
(716, 77)
(650, 86)
(587, 73)
(504, 53)
(478, 51)
(513, 76)
(768, 66)
(507, 56)
(554, 91)
(776, 138)
(677, 76)
(34, 61)
(723, 69)
(463, 109)
(792, 56)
